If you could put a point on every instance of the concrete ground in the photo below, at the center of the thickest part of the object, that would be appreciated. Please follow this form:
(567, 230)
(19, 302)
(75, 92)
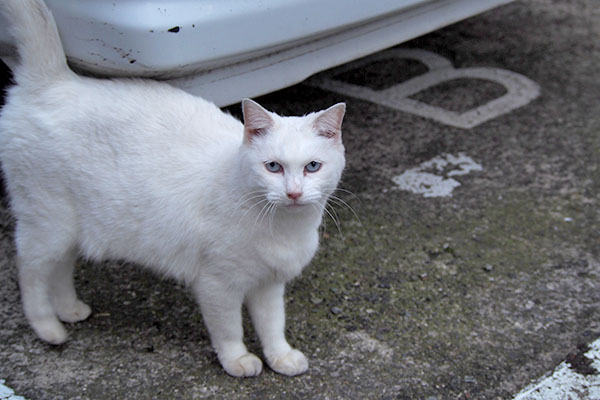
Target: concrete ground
(464, 291)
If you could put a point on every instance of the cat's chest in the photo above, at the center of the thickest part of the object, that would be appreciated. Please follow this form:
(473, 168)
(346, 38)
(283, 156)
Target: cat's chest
(287, 255)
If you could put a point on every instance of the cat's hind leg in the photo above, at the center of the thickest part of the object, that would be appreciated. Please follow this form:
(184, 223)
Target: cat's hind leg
(45, 262)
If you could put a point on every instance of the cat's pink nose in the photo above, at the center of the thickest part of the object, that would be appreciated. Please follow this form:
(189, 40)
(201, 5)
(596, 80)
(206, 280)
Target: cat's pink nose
(294, 195)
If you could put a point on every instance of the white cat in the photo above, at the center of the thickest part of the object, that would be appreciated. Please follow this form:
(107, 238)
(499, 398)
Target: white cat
(141, 171)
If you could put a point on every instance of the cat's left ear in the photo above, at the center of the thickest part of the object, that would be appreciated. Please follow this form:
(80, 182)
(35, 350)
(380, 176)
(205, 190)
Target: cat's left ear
(257, 120)
(329, 122)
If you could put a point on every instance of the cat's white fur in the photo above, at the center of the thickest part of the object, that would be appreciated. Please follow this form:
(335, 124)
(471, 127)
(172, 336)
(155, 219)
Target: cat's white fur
(140, 171)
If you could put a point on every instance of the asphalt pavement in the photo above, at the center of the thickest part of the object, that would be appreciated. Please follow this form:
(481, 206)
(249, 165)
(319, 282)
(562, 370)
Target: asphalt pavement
(465, 265)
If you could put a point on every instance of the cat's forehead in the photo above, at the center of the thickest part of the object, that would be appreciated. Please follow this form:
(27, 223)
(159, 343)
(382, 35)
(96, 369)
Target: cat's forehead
(293, 129)
(293, 138)
(295, 122)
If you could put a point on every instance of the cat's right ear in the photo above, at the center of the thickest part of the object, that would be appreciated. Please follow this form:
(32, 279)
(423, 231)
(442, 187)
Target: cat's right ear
(257, 120)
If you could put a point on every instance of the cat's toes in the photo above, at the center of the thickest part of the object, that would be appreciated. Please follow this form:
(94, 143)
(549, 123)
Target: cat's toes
(244, 366)
(50, 330)
(291, 363)
(75, 313)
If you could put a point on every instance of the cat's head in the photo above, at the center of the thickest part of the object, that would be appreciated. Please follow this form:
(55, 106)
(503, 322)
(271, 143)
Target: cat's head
(293, 161)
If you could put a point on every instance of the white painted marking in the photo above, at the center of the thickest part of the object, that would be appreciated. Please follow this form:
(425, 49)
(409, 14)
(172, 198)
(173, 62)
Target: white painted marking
(419, 180)
(520, 89)
(7, 393)
(564, 383)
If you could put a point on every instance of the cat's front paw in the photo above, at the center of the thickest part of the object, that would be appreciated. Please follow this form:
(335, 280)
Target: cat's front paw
(79, 311)
(290, 363)
(50, 330)
(244, 366)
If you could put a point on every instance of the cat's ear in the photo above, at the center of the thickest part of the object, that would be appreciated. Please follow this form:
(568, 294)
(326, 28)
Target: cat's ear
(257, 120)
(329, 122)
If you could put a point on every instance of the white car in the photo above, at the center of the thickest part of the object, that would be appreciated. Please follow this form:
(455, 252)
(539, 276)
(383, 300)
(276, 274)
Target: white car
(226, 50)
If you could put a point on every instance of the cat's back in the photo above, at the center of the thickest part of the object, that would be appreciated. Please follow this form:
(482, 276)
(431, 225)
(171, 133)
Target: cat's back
(128, 121)
(115, 108)
(172, 111)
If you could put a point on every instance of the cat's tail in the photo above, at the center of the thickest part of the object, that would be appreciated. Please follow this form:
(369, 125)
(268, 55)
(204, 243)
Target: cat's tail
(41, 54)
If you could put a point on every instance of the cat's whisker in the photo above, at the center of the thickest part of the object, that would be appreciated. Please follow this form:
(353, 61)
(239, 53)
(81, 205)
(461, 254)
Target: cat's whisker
(347, 192)
(318, 207)
(259, 216)
(323, 209)
(264, 211)
(341, 203)
(334, 218)
(249, 197)
(315, 206)
(250, 209)
(272, 210)
(338, 189)
(253, 192)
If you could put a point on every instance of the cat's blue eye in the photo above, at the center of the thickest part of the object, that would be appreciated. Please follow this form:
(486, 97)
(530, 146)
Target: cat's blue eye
(273, 167)
(313, 166)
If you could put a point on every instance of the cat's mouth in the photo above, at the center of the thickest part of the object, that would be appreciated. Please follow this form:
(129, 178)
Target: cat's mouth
(296, 205)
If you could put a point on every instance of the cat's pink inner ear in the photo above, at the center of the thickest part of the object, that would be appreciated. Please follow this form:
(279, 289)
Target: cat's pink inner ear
(329, 122)
(257, 120)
